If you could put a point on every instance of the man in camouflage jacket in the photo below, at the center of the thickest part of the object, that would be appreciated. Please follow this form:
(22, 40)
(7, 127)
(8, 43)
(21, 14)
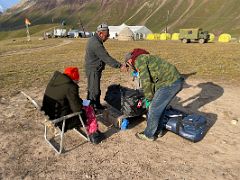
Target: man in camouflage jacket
(160, 82)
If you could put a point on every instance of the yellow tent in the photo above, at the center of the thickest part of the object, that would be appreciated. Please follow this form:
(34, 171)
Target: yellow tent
(175, 36)
(165, 36)
(212, 37)
(157, 36)
(150, 37)
(224, 38)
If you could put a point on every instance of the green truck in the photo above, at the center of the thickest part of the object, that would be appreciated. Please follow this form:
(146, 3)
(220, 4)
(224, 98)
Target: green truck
(193, 35)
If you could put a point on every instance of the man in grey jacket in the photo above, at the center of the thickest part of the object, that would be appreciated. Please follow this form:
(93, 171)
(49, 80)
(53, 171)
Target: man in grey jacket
(96, 58)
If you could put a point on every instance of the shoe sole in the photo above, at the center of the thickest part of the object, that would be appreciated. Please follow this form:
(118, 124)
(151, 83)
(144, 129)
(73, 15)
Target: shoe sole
(144, 138)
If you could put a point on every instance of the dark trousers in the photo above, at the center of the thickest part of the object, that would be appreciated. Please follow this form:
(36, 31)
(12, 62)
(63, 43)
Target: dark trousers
(93, 86)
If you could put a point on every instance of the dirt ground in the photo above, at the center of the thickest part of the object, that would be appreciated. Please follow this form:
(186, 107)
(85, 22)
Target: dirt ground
(25, 154)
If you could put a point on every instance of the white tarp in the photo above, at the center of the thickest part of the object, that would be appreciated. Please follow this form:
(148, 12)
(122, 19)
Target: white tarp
(139, 31)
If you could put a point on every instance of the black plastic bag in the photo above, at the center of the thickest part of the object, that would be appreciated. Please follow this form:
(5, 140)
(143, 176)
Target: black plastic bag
(129, 102)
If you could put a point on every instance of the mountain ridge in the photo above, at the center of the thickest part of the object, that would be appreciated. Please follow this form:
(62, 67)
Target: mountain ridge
(212, 15)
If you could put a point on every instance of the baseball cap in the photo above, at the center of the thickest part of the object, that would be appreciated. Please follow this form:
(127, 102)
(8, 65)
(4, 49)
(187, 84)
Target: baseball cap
(102, 27)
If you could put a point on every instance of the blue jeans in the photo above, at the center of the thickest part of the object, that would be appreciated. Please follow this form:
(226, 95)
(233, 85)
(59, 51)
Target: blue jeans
(161, 99)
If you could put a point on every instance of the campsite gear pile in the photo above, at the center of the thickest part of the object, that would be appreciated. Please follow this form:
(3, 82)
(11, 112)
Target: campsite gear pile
(128, 102)
(131, 103)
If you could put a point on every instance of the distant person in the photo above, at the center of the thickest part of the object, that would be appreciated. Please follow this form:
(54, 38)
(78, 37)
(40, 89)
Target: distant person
(160, 82)
(96, 58)
(61, 98)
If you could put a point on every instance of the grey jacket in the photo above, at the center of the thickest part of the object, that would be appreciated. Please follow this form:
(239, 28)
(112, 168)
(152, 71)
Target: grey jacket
(97, 56)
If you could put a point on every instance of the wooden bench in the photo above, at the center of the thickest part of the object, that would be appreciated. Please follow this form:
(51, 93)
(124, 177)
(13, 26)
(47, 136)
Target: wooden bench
(51, 124)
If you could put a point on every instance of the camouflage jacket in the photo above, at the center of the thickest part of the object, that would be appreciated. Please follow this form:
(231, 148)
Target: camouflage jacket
(155, 73)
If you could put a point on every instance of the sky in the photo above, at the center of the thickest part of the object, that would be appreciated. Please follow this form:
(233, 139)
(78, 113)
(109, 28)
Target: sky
(8, 3)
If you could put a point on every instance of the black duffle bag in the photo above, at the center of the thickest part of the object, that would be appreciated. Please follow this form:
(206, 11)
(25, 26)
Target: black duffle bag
(129, 102)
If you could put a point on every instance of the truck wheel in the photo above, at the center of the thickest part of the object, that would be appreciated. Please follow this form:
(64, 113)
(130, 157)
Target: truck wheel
(185, 41)
(201, 41)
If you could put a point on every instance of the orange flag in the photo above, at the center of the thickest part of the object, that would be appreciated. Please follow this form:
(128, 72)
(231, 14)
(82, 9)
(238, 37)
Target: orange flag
(27, 22)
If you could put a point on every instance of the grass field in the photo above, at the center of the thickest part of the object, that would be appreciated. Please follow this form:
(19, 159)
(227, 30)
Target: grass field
(30, 64)
(211, 92)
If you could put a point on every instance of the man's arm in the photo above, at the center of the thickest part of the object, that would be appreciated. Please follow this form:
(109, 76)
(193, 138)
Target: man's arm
(102, 54)
(145, 78)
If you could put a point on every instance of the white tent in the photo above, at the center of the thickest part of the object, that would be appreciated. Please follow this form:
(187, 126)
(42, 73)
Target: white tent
(125, 35)
(140, 32)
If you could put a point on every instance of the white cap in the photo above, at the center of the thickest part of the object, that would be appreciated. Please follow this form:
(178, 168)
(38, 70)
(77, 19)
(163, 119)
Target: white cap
(102, 27)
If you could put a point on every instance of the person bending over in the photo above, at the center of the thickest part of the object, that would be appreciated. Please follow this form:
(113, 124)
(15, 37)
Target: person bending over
(160, 82)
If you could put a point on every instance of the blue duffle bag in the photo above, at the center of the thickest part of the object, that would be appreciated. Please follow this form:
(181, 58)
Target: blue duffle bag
(192, 127)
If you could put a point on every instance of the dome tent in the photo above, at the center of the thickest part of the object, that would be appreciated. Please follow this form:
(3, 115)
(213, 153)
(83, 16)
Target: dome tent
(224, 38)
(157, 36)
(212, 37)
(150, 37)
(165, 36)
(140, 32)
(126, 34)
(175, 36)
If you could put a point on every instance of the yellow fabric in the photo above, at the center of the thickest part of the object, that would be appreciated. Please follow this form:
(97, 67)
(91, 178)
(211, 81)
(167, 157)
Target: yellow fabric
(150, 37)
(165, 36)
(212, 37)
(224, 38)
(175, 36)
(157, 36)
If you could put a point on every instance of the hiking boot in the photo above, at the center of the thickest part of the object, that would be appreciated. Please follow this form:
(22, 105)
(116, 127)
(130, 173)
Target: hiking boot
(159, 134)
(142, 136)
(96, 137)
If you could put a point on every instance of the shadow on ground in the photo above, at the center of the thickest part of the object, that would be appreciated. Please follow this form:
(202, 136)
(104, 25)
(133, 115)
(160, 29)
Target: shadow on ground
(209, 92)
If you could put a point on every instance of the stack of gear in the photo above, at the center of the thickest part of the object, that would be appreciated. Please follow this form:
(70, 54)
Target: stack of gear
(131, 103)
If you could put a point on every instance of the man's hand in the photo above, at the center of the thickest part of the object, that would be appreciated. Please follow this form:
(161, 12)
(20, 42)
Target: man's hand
(123, 68)
(147, 103)
(135, 74)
